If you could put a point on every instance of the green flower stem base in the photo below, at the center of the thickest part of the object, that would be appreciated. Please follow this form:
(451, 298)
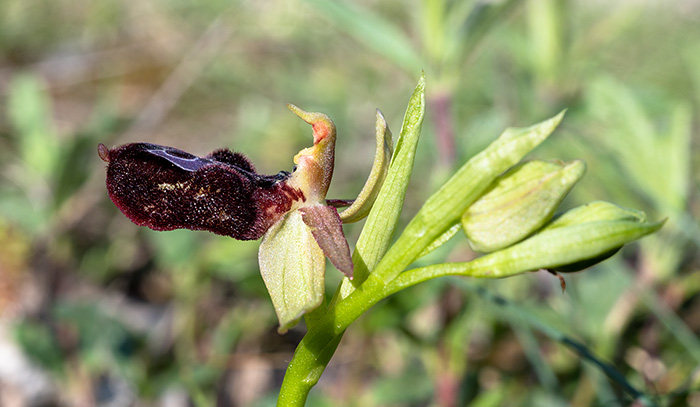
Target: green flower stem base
(318, 346)
(303, 372)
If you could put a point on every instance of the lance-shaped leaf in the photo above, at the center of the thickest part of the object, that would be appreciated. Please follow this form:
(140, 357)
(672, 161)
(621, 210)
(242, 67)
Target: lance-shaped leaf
(293, 268)
(382, 157)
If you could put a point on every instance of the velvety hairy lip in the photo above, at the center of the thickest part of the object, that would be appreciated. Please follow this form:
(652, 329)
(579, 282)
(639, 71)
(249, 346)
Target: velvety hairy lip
(164, 188)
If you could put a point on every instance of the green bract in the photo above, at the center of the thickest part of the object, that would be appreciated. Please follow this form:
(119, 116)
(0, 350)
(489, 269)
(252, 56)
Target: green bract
(382, 220)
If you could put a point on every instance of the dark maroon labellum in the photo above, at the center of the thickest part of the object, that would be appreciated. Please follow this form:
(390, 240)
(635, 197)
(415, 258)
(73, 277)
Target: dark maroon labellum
(164, 188)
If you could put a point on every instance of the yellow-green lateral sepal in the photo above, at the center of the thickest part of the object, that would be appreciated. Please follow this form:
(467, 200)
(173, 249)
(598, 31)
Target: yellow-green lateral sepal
(382, 157)
(519, 203)
(575, 240)
(293, 267)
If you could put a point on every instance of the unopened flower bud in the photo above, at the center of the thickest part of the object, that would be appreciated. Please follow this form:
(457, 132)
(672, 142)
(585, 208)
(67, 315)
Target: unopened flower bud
(575, 240)
(519, 203)
(596, 211)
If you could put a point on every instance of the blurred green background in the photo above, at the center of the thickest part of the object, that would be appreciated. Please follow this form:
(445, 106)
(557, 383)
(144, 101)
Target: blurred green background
(95, 310)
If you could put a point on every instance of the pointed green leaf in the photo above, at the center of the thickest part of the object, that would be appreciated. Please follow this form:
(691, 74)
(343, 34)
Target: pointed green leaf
(293, 267)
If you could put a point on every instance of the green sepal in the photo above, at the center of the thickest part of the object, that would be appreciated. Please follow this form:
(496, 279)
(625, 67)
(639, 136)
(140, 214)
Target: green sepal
(382, 157)
(293, 267)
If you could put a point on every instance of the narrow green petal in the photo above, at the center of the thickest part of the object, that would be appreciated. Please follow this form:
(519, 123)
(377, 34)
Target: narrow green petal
(382, 157)
(293, 267)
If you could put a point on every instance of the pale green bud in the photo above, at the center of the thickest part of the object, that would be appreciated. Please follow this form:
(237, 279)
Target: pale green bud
(596, 211)
(435, 223)
(577, 239)
(593, 212)
(519, 203)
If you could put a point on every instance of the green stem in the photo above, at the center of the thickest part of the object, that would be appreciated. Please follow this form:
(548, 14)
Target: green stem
(482, 267)
(318, 345)
(310, 360)
(314, 317)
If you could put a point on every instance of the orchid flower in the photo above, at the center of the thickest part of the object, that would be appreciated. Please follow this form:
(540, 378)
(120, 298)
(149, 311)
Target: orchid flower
(164, 188)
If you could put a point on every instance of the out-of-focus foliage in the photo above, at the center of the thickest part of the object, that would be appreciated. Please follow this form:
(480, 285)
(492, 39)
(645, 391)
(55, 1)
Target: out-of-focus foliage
(94, 309)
